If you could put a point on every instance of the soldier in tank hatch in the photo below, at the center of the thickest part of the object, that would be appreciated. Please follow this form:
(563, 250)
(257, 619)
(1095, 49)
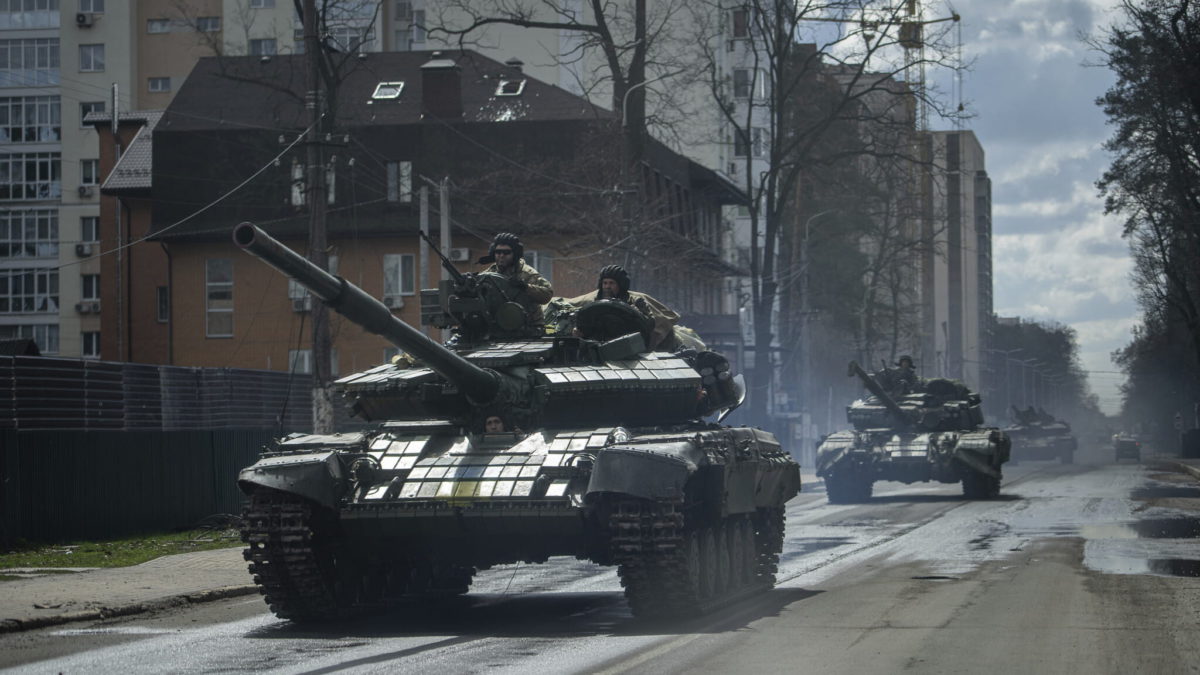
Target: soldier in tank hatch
(506, 257)
(614, 284)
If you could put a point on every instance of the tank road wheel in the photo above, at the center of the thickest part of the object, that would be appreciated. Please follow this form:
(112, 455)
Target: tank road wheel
(980, 486)
(297, 560)
(768, 544)
(845, 487)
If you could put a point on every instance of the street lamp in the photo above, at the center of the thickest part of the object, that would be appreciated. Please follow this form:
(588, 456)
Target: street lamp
(805, 337)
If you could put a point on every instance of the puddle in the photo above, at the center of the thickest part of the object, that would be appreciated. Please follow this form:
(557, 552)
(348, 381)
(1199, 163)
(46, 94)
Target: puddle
(1165, 492)
(1176, 567)
(1151, 528)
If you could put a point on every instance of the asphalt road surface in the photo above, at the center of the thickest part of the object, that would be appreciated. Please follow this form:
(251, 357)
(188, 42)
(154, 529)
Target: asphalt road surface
(1074, 569)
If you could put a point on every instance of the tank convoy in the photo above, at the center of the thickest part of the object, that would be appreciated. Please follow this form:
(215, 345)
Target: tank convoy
(619, 462)
(931, 432)
(1037, 435)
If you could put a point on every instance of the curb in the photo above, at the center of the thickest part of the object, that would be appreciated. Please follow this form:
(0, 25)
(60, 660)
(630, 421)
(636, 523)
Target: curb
(1187, 468)
(18, 625)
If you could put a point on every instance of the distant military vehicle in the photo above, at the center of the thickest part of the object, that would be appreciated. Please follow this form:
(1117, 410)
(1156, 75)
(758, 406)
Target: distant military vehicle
(1037, 435)
(934, 433)
(1126, 447)
(617, 462)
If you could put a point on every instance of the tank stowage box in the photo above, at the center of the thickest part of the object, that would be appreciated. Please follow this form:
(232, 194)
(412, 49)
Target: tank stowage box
(931, 431)
(512, 444)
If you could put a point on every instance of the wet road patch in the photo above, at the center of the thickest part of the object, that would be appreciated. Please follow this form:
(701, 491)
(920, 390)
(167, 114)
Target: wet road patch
(1175, 567)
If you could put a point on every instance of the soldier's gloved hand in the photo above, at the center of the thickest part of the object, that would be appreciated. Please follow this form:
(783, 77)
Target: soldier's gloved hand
(640, 303)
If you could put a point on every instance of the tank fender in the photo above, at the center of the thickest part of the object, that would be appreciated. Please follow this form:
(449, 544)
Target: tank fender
(318, 476)
(656, 471)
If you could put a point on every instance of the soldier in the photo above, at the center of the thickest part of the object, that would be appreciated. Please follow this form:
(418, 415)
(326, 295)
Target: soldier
(506, 258)
(614, 285)
(906, 376)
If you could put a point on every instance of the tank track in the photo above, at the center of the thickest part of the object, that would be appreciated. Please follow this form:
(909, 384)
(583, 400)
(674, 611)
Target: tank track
(289, 559)
(669, 569)
(305, 575)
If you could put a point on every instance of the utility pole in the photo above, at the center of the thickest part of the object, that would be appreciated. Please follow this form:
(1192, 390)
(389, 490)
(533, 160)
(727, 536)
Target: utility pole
(322, 396)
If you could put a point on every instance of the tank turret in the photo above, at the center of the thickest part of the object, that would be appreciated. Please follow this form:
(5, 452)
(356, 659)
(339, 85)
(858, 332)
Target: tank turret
(509, 443)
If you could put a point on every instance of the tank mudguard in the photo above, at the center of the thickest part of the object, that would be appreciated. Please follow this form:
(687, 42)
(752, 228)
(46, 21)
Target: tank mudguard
(658, 471)
(317, 476)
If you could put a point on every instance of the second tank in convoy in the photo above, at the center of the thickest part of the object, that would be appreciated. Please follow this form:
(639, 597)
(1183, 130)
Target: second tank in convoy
(932, 431)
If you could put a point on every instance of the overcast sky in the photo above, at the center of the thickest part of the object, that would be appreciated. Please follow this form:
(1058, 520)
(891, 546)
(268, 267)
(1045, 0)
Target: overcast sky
(1057, 256)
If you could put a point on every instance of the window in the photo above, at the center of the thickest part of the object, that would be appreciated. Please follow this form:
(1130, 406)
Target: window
(542, 261)
(91, 345)
(262, 4)
(208, 24)
(30, 176)
(418, 26)
(387, 91)
(91, 58)
(91, 6)
(29, 233)
(404, 10)
(18, 14)
(162, 299)
(510, 87)
(89, 172)
(158, 25)
(158, 84)
(740, 22)
(218, 287)
(89, 228)
(263, 47)
(399, 275)
(88, 108)
(300, 361)
(45, 335)
(755, 143)
(30, 119)
(89, 287)
(746, 84)
(29, 63)
(399, 181)
(29, 291)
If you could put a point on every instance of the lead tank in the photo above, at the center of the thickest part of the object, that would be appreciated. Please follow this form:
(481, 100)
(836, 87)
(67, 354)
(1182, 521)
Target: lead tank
(608, 456)
(932, 434)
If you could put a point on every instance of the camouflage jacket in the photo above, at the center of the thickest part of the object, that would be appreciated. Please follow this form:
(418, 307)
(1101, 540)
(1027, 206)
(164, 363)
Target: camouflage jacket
(537, 289)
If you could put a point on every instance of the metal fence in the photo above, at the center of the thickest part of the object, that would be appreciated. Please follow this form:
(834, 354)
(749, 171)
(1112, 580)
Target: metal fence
(93, 449)
(50, 393)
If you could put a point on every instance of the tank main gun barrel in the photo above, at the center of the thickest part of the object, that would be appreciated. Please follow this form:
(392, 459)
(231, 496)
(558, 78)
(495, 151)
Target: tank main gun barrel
(356, 305)
(873, 387)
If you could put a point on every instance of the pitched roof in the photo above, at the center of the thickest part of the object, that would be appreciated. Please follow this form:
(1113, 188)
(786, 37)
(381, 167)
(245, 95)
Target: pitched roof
(269, 92)
(133, 169)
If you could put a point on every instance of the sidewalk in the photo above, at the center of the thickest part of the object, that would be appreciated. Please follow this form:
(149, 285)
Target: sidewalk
(54, 599)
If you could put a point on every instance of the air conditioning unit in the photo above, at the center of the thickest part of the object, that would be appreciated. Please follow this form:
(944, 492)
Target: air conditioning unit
(83, 250)
(85, 190)
(302, 304)
(95, 307)
(460, 254)
(83, 20)
(393, 301)
(88, 307)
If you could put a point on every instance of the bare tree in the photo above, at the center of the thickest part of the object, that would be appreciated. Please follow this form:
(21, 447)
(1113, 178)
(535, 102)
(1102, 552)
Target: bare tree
(864, 60)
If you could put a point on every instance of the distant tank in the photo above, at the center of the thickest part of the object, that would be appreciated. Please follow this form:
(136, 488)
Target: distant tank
(606, 454)
(1037, 435)
(935, 433)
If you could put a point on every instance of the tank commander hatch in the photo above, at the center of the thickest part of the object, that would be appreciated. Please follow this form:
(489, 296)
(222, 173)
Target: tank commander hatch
(506, 255)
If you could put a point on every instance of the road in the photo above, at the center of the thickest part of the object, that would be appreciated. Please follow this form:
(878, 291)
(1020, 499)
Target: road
(1075, 569)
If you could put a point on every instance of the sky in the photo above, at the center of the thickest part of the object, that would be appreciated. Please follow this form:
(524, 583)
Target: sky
(1056, 256)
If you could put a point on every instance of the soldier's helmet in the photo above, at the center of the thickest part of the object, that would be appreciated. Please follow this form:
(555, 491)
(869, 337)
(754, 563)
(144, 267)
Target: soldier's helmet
(503, 239)
(617, 274)
(905, 357)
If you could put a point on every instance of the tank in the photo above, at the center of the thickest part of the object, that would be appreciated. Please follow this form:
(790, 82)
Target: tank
(934, 433)
(511, 443)
(1037, 435)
